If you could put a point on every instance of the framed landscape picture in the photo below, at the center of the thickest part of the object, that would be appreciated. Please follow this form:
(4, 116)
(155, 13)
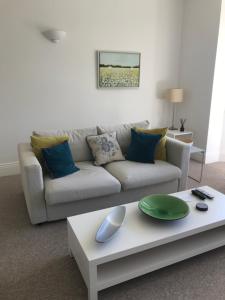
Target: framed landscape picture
(118, 69)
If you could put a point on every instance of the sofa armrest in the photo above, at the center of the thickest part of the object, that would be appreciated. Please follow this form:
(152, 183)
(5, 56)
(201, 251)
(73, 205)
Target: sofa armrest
(178, 154)
(33, 184)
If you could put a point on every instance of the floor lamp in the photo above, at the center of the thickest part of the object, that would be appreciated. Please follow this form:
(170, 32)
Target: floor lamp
(175, 96)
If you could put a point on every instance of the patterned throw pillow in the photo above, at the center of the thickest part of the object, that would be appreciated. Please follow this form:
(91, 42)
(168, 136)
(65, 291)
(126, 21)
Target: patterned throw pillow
(105, 148)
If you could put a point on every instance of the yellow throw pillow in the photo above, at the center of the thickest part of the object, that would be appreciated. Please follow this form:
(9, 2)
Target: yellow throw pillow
(160, 152)
(40, 142)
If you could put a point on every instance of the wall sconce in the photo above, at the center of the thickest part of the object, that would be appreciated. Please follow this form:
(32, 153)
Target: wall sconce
(54, 36)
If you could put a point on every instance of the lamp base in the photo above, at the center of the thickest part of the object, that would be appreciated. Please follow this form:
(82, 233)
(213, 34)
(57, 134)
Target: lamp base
(173, 128)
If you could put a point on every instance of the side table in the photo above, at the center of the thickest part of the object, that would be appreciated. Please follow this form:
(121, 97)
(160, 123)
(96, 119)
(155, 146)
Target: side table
(180, 135)
(194, 150)
(187, 136)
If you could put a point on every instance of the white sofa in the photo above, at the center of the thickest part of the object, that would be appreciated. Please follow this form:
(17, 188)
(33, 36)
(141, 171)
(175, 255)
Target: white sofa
(98, 187)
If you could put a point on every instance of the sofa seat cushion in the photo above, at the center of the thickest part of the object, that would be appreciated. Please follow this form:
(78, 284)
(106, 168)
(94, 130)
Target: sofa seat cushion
(89, 182)
(136, 175)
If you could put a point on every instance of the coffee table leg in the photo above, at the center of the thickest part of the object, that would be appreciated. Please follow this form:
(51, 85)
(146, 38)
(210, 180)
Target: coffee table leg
(70, 253)
(92, 294)
(92, 290)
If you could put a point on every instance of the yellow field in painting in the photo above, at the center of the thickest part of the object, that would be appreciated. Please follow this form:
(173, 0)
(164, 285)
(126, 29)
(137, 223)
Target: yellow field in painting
(118, 77)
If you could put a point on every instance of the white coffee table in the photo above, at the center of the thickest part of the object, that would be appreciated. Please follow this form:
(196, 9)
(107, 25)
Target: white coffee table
(143, 244)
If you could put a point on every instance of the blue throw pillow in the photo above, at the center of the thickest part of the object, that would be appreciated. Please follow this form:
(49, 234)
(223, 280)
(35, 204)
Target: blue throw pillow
(142, 147)
(59, 161)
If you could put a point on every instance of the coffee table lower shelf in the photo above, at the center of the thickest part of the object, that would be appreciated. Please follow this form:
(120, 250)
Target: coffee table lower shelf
(99, 276)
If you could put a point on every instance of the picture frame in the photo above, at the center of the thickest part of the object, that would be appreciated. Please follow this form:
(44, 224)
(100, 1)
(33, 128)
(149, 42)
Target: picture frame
(118, 69)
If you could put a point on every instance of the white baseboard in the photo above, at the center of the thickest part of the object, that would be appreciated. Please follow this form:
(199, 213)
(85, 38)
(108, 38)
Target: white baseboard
(8, 169)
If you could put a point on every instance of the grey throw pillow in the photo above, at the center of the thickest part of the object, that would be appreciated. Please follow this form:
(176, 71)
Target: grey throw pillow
(105, 148)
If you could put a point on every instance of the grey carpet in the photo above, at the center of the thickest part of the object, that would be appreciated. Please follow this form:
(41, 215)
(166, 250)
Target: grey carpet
(34, 261)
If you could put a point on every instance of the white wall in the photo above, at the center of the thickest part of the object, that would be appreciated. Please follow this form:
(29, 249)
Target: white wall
(215, 144)
(199, 45)
(47, 86)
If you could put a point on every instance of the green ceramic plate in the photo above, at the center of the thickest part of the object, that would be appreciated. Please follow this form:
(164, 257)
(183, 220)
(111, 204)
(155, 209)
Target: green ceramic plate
(164, 207)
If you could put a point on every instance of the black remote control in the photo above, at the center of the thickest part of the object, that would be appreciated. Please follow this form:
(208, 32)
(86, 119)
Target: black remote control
(209, 196)
(202, 206)
(198, 194)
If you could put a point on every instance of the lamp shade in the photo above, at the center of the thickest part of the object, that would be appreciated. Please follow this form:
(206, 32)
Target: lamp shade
(54, 36)
(176, 95)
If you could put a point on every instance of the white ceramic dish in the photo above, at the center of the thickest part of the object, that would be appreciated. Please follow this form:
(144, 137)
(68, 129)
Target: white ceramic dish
(111, 224)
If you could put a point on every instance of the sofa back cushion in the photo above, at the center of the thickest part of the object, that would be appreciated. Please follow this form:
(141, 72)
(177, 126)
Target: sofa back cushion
(77, 141)
(123, 132)
(39, 142)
